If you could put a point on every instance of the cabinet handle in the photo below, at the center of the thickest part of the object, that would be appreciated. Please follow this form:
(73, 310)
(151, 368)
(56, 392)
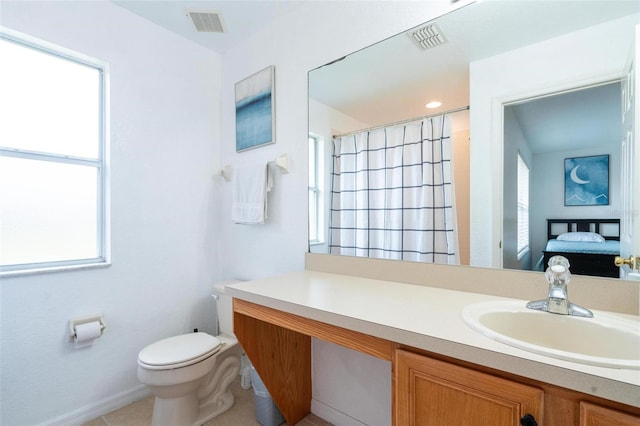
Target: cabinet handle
(528, 420)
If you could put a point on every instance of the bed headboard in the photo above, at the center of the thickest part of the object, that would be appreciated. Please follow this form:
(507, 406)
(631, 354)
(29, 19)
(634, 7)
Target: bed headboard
(608, 228)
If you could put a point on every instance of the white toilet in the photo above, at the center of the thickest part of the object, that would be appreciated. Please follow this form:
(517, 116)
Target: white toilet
(190, 374)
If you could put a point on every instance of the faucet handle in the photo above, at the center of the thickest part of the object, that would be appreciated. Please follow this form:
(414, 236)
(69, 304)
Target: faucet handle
(558, 271)
(559, 263)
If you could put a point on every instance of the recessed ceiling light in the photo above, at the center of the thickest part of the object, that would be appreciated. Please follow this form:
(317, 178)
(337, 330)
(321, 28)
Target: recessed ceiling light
(433, 104)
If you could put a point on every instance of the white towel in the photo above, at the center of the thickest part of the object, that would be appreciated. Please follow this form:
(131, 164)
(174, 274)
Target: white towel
(251, 184)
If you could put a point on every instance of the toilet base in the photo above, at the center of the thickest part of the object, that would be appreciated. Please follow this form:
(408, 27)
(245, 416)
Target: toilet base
(220, 398)
(214, 409)
(180, 411)
(175, 411)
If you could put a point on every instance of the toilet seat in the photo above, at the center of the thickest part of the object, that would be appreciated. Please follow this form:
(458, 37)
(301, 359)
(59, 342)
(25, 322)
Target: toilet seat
(178, 351)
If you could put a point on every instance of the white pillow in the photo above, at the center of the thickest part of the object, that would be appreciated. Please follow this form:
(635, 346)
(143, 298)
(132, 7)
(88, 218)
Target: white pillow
(581, 236)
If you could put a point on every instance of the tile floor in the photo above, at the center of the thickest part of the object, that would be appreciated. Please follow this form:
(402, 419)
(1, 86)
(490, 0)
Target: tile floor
(241, 414)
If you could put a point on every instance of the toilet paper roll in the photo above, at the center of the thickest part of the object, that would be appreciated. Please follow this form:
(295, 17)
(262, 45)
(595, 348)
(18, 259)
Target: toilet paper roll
(86, 334)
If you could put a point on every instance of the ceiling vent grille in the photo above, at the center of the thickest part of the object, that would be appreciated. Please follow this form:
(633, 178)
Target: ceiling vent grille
(206, 22)
(428, 36)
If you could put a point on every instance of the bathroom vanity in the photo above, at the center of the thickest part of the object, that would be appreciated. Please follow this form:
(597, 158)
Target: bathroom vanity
(442, 369)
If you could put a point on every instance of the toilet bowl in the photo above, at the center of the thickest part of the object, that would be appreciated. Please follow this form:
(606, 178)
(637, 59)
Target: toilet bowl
(190, 374)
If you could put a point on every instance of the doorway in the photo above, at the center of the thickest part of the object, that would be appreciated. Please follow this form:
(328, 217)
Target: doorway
(545, 131)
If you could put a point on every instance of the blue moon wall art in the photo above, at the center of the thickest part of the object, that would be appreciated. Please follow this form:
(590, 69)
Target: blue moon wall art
(255, 110)
(586, 181)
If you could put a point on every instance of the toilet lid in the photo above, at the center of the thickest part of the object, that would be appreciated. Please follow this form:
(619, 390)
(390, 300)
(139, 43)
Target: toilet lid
(179, 350)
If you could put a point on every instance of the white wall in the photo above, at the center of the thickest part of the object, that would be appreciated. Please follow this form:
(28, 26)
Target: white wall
(514, 143)
(310, 36)
(165, 137)
(595, 54)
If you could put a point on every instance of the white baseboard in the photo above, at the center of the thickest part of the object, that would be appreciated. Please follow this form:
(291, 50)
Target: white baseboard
(333, 416)
(100, 408)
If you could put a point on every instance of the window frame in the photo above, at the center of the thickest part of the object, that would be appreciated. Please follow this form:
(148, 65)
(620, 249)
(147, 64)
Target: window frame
(522, 247)
(100, 163)
(316, 190)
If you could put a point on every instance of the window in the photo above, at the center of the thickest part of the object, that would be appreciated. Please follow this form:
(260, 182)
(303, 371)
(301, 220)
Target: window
(523, 207)
(52, 157)
(316, 235)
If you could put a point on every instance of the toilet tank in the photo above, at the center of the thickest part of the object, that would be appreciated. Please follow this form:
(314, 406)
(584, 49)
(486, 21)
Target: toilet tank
(224, 308)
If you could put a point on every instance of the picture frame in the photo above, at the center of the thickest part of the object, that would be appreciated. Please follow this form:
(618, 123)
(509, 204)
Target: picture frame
(586, 181)
(255, 110)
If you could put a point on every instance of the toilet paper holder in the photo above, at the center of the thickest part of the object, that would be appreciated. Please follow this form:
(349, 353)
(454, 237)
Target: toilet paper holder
(85, 320)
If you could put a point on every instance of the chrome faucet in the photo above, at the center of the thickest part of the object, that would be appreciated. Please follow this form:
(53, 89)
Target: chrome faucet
(557, 302)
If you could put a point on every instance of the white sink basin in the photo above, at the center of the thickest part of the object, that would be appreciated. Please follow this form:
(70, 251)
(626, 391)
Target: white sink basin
(604, 340)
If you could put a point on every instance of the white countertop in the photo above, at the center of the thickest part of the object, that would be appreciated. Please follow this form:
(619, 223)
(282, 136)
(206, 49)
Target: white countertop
(427, 318)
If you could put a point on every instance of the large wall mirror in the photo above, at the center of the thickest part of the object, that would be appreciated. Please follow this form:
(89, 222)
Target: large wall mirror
(531, 92)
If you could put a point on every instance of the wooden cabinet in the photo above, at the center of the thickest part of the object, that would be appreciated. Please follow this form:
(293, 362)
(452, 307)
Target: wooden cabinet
(595, 415)
(430, 389)
(430, 392)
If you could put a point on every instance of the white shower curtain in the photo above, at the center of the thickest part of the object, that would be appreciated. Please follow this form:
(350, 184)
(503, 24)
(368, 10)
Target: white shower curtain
(392, 193)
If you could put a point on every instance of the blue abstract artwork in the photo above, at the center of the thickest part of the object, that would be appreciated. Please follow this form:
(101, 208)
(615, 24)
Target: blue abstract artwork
(255, 110)
(586, 181)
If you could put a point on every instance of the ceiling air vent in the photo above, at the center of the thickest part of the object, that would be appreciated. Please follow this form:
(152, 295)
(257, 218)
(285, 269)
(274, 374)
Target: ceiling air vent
(206, 22)
(427, 36)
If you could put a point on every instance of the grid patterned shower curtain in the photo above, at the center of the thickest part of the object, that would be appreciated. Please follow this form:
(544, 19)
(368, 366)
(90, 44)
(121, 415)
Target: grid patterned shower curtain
(392, 193)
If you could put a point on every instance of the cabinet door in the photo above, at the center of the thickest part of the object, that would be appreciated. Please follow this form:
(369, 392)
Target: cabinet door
(429, 392)
(594, 415)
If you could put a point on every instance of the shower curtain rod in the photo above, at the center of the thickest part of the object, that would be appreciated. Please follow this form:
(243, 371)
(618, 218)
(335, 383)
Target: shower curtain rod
(424, 117)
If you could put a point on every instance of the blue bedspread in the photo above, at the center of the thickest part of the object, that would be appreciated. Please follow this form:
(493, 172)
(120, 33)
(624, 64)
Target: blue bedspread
(605, 247)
